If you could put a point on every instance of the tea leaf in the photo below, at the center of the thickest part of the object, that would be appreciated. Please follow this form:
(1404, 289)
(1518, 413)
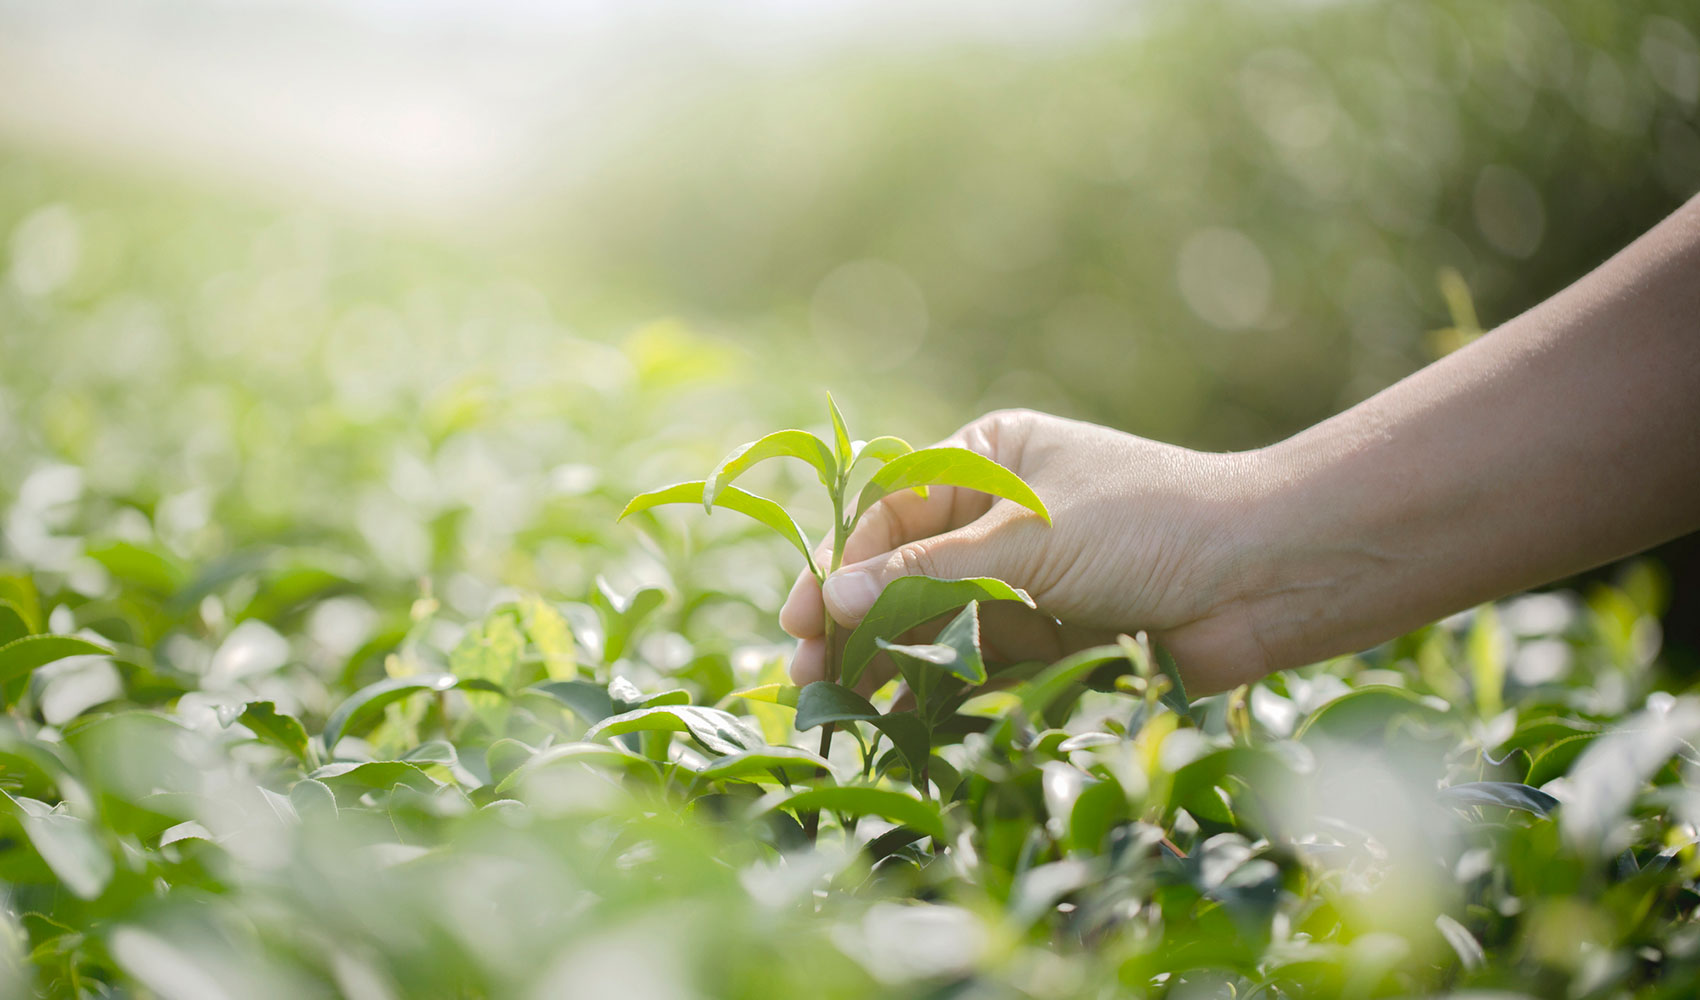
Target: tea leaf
(949, 467)
(909, 601)
(765, 764)
(840, 435)
(72, 849)
(861, 800)
(956, 651)
(273, 727)
(732, 498)
(371, 699)
(779, 444)
(717, 731)
(20, 656)
(1366, 712)
(1509, 794)
(824, 702)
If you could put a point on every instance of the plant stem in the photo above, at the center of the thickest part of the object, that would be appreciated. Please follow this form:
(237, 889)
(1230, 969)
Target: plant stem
(840, 532)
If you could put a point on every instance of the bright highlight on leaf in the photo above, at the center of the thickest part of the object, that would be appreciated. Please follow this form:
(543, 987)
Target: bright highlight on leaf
(779, 444)
(949, 467)
(761, 509)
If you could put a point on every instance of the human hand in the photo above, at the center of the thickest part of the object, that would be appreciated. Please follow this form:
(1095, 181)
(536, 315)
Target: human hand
(1144, 535)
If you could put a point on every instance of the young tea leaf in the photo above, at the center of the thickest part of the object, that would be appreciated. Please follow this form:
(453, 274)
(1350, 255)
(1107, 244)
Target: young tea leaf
(840, 434)
(20, 656)
(949, 467)
(779, 444)
(732, 498)
(1509, 794)
(910, 601)
(956, 651)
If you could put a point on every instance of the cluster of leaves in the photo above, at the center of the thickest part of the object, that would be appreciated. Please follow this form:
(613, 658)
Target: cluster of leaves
(552, 799)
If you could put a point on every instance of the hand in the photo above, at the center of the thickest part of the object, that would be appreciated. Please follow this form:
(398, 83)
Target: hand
(1143, 536)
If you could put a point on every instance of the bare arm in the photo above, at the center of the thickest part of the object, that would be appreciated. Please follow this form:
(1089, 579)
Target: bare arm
(1568, 437)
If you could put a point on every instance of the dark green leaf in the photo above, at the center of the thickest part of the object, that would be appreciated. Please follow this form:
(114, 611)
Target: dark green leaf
(824, 702)
(1555, 760)
(779, 444)
(13, 624)
(957, 467)
(760, 508)
(1509, 794)
(909, 601)
(956, 651)
(590, 702)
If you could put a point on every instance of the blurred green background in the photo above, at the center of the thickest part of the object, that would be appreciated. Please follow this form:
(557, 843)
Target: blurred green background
(430, 291)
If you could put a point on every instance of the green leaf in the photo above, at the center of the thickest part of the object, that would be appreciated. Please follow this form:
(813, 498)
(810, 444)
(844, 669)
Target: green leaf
(1098, 810)
(1175, 697)
(949, 467)
(21, 656)
(767, 763)
(581, 753)
(1366, 712)
(824, 702)
(552, 636)
(275, 728)
(621, 616)
(1555, 760)
(19, 592)
(590, 702)
(861, 800)
(716, 731)
(313, 799)
(371, 699)
(1056, 680)
(760, 508)
(72, 850)
(489, 651)
(779, 444)
(150, 569)
(375, 775)
(840, 435)
(1508, 794)
(882, 449)
(956, 651)
(772, 694)
(13, 624)
(909, 601)
(504, 757)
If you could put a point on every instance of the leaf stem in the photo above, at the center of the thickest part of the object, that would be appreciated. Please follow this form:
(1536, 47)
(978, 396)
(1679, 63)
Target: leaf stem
(840, 533)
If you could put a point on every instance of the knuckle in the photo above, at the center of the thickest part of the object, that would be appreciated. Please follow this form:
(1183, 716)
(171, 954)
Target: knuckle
(915, 559)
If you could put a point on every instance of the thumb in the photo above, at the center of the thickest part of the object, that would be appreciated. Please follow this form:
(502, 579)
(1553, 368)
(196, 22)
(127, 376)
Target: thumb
(851, 591)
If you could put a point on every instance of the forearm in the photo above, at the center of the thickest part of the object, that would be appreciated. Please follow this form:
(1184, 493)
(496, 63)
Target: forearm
(1566, 438)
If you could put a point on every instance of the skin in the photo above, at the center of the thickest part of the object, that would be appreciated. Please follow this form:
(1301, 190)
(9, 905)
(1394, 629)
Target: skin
(1566, 438)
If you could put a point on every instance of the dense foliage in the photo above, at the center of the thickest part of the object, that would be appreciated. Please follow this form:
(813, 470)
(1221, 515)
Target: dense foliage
(250, 776)
(328, 669)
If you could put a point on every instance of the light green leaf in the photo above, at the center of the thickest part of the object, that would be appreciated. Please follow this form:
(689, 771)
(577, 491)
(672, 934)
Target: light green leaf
(582, 753)
(20, 656)
(275, 728)
(909, 601)
(489, 651)
(949, 467)
(861, 800)
(375, 775)
(731, 497)
(772, 694)
(73, 851)
(766, 764)
(1366, 712)
(552, 636)
(779, 444)
(717, 731)
(840, 435)
(372, 698)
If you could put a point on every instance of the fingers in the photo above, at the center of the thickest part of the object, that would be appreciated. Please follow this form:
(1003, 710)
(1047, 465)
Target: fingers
(964, 552)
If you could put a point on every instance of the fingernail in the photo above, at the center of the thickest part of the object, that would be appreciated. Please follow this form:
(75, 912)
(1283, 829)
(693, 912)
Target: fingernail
(851, 594)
